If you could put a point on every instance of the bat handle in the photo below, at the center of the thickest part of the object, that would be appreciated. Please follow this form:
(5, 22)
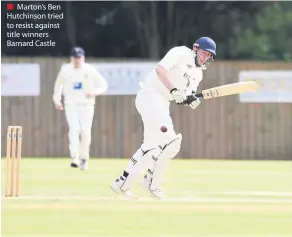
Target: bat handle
(200, 95)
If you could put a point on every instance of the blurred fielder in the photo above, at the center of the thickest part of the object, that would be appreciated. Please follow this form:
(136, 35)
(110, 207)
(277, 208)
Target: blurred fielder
(80, 83)
(176, 77)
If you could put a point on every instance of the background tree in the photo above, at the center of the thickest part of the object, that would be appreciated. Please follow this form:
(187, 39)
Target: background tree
(270, 36)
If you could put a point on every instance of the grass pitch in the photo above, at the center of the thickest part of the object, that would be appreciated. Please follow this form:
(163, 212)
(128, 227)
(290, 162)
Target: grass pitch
(205, 198)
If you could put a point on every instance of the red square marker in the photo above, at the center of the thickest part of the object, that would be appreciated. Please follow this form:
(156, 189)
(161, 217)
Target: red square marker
(9, 6)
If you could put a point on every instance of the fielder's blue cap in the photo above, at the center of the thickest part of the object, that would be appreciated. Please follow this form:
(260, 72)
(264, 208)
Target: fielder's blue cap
(77, 52)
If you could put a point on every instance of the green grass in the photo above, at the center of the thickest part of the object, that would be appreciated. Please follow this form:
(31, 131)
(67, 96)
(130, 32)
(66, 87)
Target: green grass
(205, 198)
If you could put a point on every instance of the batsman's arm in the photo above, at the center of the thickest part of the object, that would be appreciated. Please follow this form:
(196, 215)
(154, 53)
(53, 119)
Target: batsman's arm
(167, 62)
(101, 85)
(163, 76)
(58, 87)
(178, 96)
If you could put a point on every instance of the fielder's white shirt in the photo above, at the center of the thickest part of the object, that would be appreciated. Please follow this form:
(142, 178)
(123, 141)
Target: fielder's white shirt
(74, 83)
(184, 74)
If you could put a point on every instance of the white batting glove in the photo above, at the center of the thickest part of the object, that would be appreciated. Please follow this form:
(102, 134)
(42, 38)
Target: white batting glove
(179, 96)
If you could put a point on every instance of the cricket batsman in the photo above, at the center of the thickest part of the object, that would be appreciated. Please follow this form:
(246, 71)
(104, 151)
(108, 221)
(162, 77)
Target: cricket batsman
(80, 83)
(175, 78)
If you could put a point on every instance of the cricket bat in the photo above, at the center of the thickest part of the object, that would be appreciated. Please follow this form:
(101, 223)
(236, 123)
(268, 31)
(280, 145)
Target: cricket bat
(228, 89)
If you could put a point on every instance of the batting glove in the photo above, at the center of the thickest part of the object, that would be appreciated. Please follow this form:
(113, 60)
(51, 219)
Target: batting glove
(195, 103)
(192, 101)
(179, 96)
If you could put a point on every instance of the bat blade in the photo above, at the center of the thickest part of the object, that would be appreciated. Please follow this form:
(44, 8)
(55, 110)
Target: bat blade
(229, 89)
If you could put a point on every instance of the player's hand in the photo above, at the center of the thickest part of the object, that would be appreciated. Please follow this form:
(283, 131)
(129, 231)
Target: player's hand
(192, 101)
(195, 103)
(179, 96)
(59, 107)
(89, 94)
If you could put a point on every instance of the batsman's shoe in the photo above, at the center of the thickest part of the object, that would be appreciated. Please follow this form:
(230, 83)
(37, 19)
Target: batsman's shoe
(155, 193)
(74, 162)
(83, 164)
(116, 186)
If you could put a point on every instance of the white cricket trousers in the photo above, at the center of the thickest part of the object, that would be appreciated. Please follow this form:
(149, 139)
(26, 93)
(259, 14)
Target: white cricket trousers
(79, 119)
(154, 111)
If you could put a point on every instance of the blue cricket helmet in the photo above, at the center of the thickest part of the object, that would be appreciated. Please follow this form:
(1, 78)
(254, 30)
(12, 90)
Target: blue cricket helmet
(207, 44)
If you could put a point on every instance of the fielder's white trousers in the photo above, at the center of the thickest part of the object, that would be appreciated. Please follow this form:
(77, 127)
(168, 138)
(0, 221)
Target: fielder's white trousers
(154, 111)
(79, 119)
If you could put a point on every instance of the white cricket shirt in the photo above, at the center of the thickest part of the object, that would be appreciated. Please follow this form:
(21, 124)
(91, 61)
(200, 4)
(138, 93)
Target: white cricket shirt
(184, 74)
(75, 82)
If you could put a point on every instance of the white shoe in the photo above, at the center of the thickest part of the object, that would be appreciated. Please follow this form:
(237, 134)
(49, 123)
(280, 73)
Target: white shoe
(116, 187)
(83, 164)
(155, 193)
(75, 162)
